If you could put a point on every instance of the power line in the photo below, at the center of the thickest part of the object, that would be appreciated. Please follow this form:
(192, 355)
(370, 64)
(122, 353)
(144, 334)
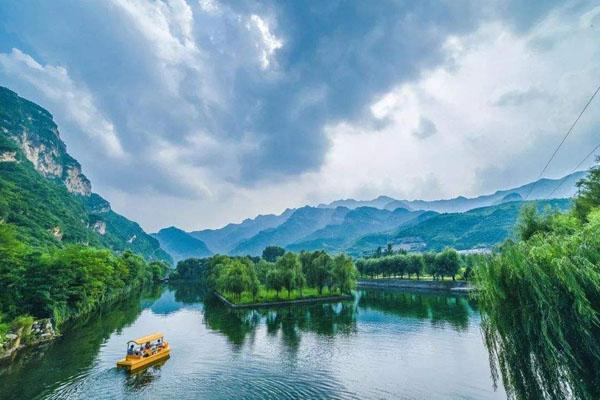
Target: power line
(562, 141)
(574, 169)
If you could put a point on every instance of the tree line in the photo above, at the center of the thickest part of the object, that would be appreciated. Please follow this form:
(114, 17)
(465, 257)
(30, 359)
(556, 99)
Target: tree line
(447, 263)
(276, 270)
(64, 282)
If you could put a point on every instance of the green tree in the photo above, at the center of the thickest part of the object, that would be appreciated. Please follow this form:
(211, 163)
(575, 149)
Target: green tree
(234, 278)
(272, 253)
(190, 269)
(291, 271)
(344, 273)
(319, 275)
(447, 263)
(589, 193)
(530, 222)
(13, 254)
(262, 269)
(415, 265)
(275, 280)
(388, 250)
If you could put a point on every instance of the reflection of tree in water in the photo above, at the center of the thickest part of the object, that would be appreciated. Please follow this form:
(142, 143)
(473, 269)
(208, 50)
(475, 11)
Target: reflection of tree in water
(137, 381)
(235, 324)
(189, 293)
(437, 307)
(291, 322)
(73, 352)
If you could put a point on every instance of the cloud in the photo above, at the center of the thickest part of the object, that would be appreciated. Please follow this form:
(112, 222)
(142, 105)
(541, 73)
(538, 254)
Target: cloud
(75, 101)
(209, 6)
(218, 106)
(518, 97)
(479, 146)
(270, 43)
(426, 129)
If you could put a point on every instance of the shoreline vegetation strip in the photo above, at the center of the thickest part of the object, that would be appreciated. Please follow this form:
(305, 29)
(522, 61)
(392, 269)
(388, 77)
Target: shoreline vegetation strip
(282, 302)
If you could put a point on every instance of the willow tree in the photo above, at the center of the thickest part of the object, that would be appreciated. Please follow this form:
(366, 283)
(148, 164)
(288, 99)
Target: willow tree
(540, 298)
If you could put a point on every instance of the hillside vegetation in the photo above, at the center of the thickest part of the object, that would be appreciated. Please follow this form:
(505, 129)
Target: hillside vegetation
(358, 227)
(63, 251)
(43, 194)
(479, 228)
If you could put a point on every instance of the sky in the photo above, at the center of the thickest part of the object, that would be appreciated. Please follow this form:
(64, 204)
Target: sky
(203, 112)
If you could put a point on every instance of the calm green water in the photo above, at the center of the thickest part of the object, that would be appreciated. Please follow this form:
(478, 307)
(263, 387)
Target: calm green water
(383, 345)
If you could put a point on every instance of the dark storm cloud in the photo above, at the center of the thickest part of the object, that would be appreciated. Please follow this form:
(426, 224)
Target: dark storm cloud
(166, 85)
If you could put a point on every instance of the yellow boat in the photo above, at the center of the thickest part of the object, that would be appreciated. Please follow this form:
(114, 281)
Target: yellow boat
(152, 348)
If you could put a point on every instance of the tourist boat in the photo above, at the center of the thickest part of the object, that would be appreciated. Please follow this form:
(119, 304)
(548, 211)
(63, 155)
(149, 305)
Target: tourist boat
(144, 351)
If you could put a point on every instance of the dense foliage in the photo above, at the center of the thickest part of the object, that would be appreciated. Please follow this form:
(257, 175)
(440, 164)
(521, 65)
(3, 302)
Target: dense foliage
(541, 301)
(447, 263)
(307, 274)
(67, 281)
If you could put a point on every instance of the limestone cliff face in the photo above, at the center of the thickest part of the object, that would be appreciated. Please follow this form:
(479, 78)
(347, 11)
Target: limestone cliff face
(76, 182)
(100, 227)
(34, 130)
(30, 140)
(8, 156)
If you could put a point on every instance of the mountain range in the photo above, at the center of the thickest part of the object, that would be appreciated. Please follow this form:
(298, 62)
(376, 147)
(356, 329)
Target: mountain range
(45, 195)
(49, 201)
(360, 226)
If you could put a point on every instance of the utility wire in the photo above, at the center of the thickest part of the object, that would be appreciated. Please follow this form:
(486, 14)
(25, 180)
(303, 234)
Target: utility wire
(561, 143)
(574, 169)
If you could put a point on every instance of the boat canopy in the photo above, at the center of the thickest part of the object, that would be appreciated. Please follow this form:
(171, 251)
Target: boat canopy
(148, 338)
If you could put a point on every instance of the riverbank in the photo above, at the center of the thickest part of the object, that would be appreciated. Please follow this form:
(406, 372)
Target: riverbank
(393, 283)
(45, 330)
(40, 331)
(277, 303)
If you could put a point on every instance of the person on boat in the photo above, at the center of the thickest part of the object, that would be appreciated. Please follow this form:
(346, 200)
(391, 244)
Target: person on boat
(130, 350)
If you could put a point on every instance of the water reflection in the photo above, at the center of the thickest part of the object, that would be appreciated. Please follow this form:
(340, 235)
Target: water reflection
(309, 351)
(439, 308)
(139, 380)
(189, 293)
(332, 319)
(74, 352)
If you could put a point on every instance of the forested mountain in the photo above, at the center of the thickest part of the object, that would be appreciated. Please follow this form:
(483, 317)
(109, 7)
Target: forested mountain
(300, 223)
(181, 245)
(45, 196)
(308, 228)
(358, 222)
(479, 228)
(225, 239)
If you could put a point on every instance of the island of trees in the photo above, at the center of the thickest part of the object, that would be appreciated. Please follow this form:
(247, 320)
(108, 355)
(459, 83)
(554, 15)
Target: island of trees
(276, 276)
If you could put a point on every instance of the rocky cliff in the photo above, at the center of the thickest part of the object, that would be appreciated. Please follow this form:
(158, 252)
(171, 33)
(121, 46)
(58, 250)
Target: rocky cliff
(45, 193)
(36, 134)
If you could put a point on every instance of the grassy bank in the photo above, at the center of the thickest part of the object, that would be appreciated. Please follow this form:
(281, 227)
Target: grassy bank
(271, 296)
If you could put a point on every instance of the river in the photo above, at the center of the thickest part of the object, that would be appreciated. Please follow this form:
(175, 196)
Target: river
(383, 345)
